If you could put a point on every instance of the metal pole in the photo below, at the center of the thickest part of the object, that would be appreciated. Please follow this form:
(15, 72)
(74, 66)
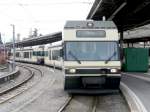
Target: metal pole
(4, 50)
(14, 51)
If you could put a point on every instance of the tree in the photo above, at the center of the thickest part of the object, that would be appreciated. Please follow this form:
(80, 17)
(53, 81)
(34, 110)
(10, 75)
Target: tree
(35, 32)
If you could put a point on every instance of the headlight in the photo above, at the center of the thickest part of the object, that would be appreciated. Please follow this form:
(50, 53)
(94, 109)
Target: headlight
(113, 70)
(72, 70)
(89, 24)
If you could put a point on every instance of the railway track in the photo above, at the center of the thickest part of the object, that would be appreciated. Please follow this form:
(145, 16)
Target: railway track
(102, 103)
(33, 68)
(33, 78)
(75, 103)
(63, 107)
(92, 106)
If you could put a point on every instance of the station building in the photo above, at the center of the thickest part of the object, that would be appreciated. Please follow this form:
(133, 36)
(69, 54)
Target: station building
(2, 52)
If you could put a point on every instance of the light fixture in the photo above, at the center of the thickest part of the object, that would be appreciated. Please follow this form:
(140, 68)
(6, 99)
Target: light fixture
(89, 24)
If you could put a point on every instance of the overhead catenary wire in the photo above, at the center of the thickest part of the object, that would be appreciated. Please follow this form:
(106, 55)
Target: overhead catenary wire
(26, 14)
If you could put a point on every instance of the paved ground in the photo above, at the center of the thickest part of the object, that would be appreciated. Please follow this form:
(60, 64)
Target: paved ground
(52, 98)
(105, 103)
(112, 103)
(48, 96)
(140, 87)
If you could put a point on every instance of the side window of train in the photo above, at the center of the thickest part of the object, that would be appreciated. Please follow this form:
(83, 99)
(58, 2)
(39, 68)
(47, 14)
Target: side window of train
(38, 53)
(17, 54)
(50, 55)
(42, 53)
(26, 54)
(34, 53)
(61, 52)
(46, 54)
(55, 54)
(59, 57)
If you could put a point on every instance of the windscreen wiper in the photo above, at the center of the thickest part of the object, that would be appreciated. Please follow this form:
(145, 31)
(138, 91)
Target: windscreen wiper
(110, 57)
(70, 53)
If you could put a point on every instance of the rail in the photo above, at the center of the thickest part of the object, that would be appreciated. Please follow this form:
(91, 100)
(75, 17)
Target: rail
(17, 84)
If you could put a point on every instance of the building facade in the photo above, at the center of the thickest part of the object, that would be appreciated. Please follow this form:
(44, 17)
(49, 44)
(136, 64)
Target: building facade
(2, 52)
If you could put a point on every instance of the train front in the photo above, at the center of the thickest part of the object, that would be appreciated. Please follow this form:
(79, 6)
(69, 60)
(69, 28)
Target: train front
(91, 57)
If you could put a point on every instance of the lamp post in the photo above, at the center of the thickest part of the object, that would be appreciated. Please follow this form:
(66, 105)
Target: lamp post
(4, 48)
(14, 51)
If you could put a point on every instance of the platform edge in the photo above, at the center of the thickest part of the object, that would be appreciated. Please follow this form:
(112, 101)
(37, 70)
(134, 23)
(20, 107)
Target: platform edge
(133, 101)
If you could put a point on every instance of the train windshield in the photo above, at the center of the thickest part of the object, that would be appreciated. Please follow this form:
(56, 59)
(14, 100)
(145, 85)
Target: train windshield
(91, 51)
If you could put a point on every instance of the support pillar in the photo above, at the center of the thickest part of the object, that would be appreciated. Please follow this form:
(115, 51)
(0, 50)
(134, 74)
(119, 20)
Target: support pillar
(144, 44)
(128, 44)
(121, 45)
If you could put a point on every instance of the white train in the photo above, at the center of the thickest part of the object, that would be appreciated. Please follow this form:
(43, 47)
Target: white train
(89, 55)
(53, 55)
(50, 54)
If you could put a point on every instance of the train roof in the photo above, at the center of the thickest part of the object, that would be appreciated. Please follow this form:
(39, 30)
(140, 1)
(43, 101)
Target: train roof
(92, 24)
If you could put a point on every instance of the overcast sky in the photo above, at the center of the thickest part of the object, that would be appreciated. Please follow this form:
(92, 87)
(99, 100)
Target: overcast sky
(48, 16)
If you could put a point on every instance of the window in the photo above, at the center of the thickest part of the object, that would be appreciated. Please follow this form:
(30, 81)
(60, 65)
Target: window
(38, 53)
(91, 33)
(61, 52)
(26, 54)
(17, 54)
(46, 53)
(55, 54)
(42, 53)
(34, 53)
(50, 55)
(91, 51)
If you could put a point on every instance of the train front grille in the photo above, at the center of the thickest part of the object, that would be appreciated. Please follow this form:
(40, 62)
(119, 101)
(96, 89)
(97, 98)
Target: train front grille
(92, 71)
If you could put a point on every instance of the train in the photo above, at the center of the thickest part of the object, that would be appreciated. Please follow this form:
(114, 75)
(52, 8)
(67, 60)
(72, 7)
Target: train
(50, 54)
(88, 54)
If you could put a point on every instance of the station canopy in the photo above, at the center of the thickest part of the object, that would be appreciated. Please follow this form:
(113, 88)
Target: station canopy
(127, 14)
(45, 39)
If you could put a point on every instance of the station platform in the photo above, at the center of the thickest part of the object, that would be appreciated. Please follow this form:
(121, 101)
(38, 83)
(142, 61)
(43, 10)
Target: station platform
(7, 73)
(6, 68)
(139, 84)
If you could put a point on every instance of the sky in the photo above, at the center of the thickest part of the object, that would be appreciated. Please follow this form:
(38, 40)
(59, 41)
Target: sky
(48, 16)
